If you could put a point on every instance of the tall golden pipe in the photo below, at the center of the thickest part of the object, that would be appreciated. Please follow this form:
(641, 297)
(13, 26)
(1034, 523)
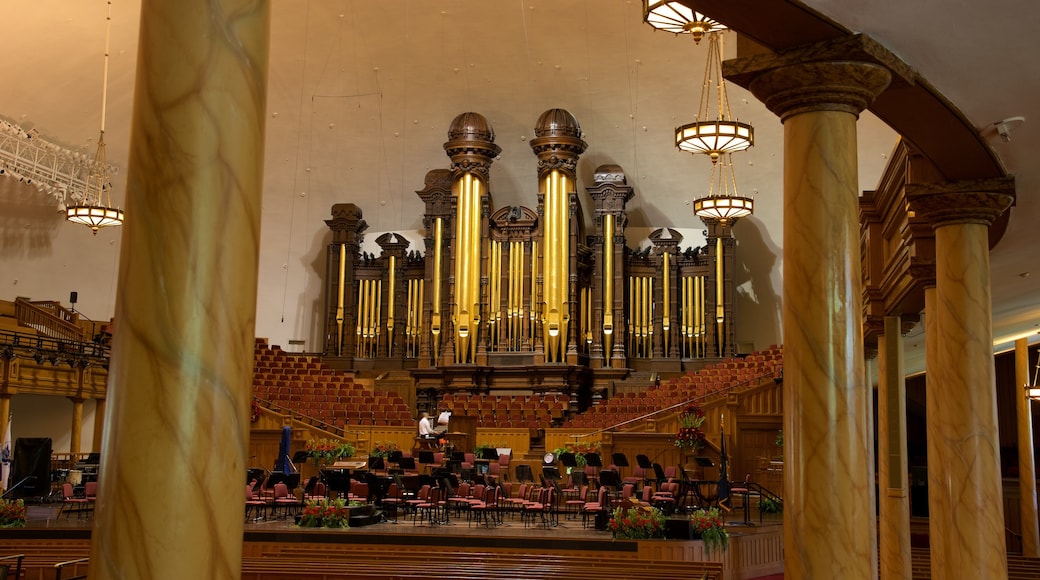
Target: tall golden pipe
(665, 319)
(360, 316)
(409, 324)
(645, 334)
(534, 289)
(684, 313)
(608, 285)
(340, 295)
(390, 307)
(376, 314)
(467, 267)
(720, 310)
(435, 317)
(698, 313)
(556, 275)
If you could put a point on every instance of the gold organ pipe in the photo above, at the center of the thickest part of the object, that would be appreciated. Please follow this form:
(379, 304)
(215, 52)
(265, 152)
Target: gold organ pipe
(698, 313)
(646, 314)
(390, 307)
(608, 285)
(467, 267)
(341, 295)
(666, 322)
(360, 317)
(684, 311)
(377, 313)
(534, 289)
(409, 324)
(720, 311)
(435, 318)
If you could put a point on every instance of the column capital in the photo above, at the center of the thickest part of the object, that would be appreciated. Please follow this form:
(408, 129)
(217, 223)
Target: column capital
(973, 201)
(843, 74)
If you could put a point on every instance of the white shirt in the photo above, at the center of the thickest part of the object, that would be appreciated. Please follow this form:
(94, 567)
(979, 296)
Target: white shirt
(443, 418)
(425, 427)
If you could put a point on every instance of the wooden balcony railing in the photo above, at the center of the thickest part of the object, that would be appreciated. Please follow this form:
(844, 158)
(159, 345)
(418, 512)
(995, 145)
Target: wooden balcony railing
(48, 318)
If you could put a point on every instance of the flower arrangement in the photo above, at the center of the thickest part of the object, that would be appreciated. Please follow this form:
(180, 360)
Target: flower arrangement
(638, 522)
(383, 449)
(323, 513)
(768, 505)
(708, 525)
(328, 450)
(579, 450)
(254, 411)
(12, 513)
(690, 435)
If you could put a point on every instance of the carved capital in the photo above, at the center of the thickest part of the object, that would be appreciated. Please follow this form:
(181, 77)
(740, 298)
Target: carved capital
(976, 201)
(842, 74)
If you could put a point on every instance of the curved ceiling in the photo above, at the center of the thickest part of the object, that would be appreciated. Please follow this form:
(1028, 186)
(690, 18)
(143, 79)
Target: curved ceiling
(361, 95)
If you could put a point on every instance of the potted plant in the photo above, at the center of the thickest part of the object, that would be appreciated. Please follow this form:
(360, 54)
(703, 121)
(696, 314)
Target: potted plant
(383, 449)
(708, 525)
(638, 522)
(768, 505)
(325, 451)
(690, 436)
(324, 513)
(12, 513)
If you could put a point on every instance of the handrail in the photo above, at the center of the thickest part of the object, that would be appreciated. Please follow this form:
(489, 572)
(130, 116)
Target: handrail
(676, 405)
(57, 324)
(18, 564)
(54, 350)
(58, 567)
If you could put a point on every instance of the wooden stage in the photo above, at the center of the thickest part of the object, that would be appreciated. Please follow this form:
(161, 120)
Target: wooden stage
(456, 550)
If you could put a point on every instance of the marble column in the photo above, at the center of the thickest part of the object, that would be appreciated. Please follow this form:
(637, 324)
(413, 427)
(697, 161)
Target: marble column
(99, 425)
(937, 502)
(5, 416)
(829, 513)
(894, 504)
(76, 435)
(1026, 462)
(966, 521)
(177, 426)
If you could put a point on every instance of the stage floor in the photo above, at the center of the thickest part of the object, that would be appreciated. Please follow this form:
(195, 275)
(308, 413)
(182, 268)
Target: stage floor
(568, 526)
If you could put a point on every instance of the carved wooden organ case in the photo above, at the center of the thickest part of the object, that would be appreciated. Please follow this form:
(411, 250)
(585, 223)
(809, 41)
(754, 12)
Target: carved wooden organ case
(521, 287)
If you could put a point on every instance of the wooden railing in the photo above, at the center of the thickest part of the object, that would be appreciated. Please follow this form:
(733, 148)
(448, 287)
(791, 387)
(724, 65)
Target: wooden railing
(49, 318)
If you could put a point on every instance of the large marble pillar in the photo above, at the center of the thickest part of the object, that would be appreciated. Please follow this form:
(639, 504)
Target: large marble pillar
(829, 514)
(894, 504)
(937, 502)
(170, 497)
(966, 519)
(1026, 461)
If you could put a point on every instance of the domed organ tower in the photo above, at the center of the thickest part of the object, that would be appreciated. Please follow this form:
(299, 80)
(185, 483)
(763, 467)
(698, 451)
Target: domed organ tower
(471, 147)
(558, 145)
(520, 299)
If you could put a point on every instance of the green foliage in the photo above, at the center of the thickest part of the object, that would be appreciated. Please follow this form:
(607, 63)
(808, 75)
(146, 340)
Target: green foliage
(709, 526)
(637, 523)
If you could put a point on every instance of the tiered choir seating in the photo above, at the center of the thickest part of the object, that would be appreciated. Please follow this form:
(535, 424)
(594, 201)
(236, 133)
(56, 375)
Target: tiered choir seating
(301, 383)
(695, 385)
(520, 411)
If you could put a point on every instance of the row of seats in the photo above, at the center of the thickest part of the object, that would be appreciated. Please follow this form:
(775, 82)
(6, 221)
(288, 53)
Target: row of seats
(693, 385)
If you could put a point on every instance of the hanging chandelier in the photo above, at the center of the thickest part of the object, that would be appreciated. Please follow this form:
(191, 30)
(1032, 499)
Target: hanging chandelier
(94, 207)
(715, 132)
(678, 18)
(723, 203)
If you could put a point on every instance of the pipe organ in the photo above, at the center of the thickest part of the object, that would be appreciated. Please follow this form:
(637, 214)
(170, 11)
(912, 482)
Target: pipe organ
(525, 292)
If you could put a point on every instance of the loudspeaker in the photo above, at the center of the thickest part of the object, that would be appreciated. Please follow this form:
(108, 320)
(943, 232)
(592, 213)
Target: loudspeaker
(72, 297)
(31, 465)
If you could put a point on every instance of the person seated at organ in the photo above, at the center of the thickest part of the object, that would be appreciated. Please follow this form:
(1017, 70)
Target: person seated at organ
(442, 421)
(426, 429)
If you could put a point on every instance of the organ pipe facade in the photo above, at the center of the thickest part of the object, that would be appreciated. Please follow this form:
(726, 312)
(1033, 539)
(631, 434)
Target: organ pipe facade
(523, 288)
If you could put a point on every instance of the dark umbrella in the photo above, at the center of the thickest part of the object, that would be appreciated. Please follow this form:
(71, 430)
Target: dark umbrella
(723, 475)
(281, 463)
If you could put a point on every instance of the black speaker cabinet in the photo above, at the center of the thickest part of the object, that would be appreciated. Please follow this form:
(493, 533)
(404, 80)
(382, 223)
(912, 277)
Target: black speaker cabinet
(31, 467)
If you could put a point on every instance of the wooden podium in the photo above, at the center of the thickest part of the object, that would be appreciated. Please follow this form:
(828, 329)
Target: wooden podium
(462, 433)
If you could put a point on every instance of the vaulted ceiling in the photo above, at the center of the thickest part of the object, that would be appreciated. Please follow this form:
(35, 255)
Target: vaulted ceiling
(361, 95)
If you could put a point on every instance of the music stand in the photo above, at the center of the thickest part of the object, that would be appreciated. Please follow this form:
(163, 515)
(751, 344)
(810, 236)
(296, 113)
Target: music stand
(550, 473)
(376, 463)
(489, 453)
(610, 478)
(704, 462)
(620, 459)
(407, 464)
(300, 456)
(593, 460)
(568, 459)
